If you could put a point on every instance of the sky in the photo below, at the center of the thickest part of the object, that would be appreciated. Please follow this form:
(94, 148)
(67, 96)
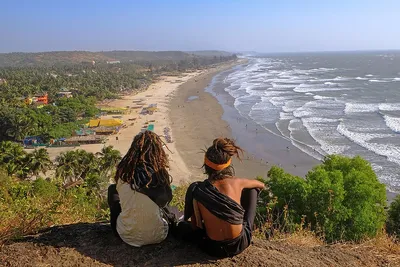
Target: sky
(242, 25)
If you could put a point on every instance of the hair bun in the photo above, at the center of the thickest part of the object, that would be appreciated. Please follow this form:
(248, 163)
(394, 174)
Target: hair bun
(228, 146)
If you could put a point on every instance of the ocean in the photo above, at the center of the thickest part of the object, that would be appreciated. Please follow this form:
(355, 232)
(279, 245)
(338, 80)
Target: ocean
(344, 103)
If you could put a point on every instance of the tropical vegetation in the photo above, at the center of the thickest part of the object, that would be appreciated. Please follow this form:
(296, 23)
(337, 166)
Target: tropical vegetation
(88, 82)
(393, 221)
(74, 192)
(340, 199)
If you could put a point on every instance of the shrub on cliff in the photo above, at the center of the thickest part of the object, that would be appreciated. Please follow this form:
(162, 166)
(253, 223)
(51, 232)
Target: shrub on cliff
(341, 199)
(393, 222)
(28, 206)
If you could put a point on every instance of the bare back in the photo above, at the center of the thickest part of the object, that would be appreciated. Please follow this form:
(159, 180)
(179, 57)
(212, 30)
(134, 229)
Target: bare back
(218, 229)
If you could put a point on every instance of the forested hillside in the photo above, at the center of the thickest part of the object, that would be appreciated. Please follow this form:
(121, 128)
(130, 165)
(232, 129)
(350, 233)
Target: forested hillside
(75, 57)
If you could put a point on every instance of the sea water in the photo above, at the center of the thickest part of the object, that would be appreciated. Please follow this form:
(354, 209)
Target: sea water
(327, 103)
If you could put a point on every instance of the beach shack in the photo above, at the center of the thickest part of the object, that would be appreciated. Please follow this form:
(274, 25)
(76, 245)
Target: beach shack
(85, 140)
(64, 94)
(83, 132)
(105, 126)
(33, 141)
(114, 110)
(102, 130)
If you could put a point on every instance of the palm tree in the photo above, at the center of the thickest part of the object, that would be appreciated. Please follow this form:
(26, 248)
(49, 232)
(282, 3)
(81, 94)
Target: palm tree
(12, 156)
(72, 166)
(109, 157)
(66, 165)
(38, 161)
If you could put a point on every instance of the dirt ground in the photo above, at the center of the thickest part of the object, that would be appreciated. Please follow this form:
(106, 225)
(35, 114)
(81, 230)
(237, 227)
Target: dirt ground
(94, 245)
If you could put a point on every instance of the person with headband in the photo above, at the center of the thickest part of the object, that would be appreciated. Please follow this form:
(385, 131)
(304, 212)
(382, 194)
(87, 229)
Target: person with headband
(222, 208)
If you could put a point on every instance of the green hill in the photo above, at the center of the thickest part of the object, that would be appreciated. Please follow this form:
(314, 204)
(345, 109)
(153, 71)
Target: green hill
(73, 57)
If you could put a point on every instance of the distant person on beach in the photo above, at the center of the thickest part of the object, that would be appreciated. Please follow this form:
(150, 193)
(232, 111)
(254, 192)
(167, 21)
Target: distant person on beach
(222, 208)
(138, 201)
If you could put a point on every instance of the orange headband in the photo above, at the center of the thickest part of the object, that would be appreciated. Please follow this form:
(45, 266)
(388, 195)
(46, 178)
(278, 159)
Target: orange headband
(217, 167)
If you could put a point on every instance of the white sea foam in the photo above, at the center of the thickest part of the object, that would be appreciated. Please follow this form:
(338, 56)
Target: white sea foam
(295, 124)
(306, 88)
(376, 167)
(360, 107)
(320, 97)
(370, 107)
(369, 75)
(391, 152)
(277, 101)
(396, 79)
(331, 84)
(271, 93)
(340, 78)
(393, 123)
(389, 106)
(286, 116)
(323, 130)
(360, 78)
(303, 112)
(280, 85)
(378, 81)
(309, 93)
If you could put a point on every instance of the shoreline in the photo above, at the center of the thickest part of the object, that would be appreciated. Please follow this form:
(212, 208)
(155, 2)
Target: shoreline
(204, 111)
(197, 121)
(210, 114)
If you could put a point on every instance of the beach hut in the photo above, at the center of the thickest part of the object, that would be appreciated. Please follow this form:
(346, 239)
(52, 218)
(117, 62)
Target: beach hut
(102, 130)
(114, 110)
(33, 141)
(89, 139)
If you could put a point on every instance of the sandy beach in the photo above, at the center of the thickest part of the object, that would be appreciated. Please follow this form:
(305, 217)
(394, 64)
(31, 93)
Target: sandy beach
(164, 92)
(160, 93)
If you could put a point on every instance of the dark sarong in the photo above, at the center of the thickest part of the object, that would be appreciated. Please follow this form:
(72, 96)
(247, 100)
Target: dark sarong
(224, 208)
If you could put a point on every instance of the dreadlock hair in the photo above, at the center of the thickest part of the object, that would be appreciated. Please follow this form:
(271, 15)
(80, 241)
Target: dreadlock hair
(221, 152)
(146, 150)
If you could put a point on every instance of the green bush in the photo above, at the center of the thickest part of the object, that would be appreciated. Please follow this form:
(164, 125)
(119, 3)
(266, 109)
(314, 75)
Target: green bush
(393, 222)
(341, 199)
(178, 197)
(29, 206)
(45, 189)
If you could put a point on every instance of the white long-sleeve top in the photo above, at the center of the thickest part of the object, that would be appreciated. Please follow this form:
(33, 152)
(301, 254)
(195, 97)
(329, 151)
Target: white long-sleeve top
(140, 221)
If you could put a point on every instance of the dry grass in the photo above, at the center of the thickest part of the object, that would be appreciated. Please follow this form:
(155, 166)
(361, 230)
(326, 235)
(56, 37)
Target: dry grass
(383, 246)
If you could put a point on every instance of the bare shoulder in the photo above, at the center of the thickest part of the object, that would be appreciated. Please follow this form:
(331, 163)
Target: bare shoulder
(249, 183)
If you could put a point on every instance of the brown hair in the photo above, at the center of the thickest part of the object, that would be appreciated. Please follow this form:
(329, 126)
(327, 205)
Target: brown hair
(221, 152)
(146, 150)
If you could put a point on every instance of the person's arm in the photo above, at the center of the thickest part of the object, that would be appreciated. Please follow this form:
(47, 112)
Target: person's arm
(251, 183)
(189, 212)
(161, 195)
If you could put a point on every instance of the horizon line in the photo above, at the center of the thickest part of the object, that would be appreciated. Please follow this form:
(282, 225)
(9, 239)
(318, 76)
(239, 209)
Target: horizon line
(207, 50)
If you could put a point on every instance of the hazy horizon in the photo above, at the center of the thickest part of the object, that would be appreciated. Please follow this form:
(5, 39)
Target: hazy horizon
(262, 26)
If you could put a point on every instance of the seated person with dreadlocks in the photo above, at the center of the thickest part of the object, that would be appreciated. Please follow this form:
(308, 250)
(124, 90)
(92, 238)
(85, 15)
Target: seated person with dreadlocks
(138, 201)
(222, 208)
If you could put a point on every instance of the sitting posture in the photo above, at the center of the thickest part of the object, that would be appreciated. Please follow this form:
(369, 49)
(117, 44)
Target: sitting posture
(138, 200)
(223, 207)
